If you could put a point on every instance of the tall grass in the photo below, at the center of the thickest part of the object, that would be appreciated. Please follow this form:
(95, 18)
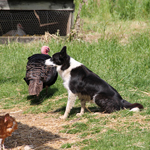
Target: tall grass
(115, 9)
(125, 67)
(109, 18)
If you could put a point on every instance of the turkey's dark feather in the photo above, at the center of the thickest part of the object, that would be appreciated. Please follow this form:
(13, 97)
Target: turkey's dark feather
(37, 71)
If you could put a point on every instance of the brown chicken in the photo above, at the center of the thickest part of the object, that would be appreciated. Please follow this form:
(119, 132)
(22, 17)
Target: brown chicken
(7, 126)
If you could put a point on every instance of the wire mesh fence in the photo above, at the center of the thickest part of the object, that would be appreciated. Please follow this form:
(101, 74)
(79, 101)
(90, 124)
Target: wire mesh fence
(36, 22)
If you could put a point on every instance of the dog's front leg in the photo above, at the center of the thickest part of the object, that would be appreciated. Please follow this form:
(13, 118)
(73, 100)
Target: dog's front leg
(70, 104)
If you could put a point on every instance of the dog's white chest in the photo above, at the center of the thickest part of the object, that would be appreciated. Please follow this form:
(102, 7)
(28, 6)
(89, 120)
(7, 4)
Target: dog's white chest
(65, 75)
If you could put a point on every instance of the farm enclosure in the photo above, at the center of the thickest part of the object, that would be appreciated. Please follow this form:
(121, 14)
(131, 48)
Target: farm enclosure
(37, 17)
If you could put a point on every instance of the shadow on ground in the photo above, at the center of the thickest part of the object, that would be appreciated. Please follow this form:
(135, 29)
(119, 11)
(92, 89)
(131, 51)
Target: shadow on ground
(35, 137)
(34, 100)
(76, 110)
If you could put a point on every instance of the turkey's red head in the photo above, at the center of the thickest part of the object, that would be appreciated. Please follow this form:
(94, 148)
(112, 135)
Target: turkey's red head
(45, 50)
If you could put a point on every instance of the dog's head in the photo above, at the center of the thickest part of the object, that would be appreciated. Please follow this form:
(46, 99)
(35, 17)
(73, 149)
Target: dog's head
(59, 59)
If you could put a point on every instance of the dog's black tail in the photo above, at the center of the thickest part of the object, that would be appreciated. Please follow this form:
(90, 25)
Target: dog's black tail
(133, 107)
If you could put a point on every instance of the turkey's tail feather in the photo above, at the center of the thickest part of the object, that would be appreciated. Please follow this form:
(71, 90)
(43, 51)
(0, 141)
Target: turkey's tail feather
(35, 87)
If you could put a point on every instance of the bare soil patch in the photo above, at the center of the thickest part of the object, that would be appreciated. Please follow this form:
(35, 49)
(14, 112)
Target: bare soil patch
(42, 131)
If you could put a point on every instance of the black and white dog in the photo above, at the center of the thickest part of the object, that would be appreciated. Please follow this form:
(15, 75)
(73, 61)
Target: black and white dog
(82, 82)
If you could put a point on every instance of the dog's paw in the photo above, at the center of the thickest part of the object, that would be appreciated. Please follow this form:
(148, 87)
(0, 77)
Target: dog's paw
(63, 117)
(79, 114)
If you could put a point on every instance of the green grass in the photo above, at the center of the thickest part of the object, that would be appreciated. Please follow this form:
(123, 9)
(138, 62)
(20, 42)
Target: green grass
(124, 131)
(124, 66)
(110, 18)
(115, 9)
(120, 56)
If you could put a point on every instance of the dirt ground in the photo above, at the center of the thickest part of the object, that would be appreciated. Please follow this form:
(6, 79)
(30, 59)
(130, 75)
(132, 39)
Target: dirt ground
(38, 131)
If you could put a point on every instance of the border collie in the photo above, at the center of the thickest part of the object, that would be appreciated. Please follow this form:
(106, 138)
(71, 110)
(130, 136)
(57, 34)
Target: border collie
(82, 82)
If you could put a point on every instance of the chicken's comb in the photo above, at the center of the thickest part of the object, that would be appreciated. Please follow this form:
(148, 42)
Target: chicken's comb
(6, 117)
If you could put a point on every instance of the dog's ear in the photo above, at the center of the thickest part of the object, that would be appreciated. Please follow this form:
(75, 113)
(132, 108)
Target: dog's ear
(63, 51)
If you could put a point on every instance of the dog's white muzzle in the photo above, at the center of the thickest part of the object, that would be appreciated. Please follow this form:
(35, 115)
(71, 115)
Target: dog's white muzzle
(48, 62)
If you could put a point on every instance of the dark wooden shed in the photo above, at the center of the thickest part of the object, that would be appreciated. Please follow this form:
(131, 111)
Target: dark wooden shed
(37, 16)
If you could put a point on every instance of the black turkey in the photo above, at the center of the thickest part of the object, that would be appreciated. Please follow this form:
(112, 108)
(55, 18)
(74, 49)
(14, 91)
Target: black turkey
(38, 75)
